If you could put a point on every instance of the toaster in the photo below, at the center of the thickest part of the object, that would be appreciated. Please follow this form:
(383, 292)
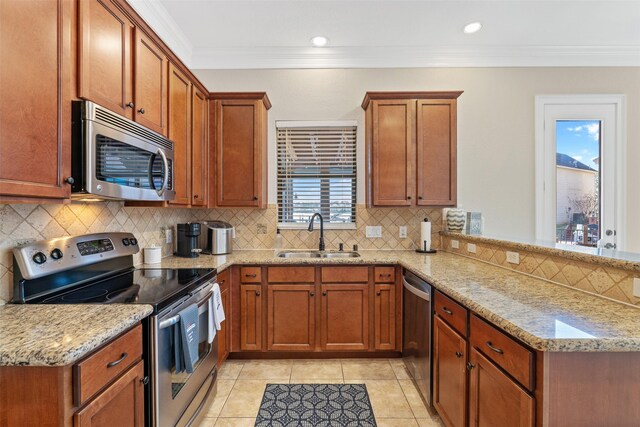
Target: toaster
(216, 237)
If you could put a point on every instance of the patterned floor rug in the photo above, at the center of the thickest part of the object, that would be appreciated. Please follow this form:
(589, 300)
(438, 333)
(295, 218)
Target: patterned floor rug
(315, 405)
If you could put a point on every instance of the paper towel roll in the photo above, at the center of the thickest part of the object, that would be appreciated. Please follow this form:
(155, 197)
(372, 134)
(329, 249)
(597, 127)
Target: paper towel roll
(425, 235)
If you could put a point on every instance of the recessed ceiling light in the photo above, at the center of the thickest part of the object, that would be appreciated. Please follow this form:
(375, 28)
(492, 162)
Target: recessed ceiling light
(473, 27)
(319, 41)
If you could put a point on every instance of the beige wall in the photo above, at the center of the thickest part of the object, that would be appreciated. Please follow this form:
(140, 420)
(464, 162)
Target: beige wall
(495, 124)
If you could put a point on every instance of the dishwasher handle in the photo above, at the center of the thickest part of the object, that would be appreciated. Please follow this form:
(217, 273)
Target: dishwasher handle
(417, 292)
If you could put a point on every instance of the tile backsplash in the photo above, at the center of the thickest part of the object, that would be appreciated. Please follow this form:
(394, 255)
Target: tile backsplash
(255, 229)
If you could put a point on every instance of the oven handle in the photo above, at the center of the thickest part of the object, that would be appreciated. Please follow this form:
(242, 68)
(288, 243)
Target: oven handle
(175, 319)
(417, 292)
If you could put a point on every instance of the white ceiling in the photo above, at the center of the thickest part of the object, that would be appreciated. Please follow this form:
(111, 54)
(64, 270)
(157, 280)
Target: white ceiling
(385, 33)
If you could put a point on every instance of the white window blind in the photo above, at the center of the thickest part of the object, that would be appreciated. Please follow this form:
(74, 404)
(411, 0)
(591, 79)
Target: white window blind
(317, 172)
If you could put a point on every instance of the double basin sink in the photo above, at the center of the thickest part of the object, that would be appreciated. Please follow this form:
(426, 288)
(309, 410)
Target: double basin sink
(318, 254)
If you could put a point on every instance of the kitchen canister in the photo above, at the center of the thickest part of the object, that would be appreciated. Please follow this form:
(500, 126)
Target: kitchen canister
(152, 255)
(456, 219)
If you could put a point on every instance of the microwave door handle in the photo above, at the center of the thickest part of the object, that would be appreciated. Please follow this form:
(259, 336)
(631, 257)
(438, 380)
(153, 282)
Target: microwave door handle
(165, 181)
(152, 160)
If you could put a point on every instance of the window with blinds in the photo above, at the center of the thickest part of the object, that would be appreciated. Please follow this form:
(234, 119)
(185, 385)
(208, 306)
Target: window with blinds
(316, 173)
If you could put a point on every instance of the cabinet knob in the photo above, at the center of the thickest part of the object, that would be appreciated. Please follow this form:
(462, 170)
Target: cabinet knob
(255, 197)
(195, 196)
(257, 293)
(324, 294)
(130, 105)
(470, 366)
(141, 111)
(419, 197)
(408, 197)
(378, 293)
(312, 294)
(458, 354)
(144, 380)
(70, 180)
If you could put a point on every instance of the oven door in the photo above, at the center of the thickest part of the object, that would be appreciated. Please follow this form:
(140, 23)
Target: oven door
(174, 392)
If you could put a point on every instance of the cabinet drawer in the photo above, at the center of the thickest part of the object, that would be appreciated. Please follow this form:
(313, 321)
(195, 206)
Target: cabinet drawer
(451, 312)
(250, 275)
(384, 274)
(345, 274)
(511, 356)
(291, 274)
(96, 371)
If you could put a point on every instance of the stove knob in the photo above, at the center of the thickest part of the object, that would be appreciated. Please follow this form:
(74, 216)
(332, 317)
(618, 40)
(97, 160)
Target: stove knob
(39, 258)
(56, 253)
(133, 241)
(125, 242)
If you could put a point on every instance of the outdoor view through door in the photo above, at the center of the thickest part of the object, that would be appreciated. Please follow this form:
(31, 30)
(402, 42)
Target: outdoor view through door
(578, 182)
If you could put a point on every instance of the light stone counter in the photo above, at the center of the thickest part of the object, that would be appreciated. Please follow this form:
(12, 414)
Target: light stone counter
(58, 335)
(544, 315)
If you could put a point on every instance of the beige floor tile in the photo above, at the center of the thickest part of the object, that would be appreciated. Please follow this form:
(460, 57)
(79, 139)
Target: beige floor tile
(222, 393)
(236, 422)
(413, 397)
(398, 368)
(396, 422)
(367, 370)
(318, 381)
(266, 370)
(208, 422)
(430, 422)
(244, 399)
(316, 370)
(231, 369)
(387, 398)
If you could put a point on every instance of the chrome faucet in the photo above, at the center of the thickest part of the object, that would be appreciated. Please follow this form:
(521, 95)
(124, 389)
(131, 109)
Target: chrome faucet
(321, 245)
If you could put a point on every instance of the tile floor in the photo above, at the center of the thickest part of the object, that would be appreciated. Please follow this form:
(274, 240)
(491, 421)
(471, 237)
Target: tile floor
(395, 401)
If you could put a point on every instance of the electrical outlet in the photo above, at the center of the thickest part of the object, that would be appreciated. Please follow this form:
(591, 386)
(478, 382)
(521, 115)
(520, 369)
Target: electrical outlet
(455, 244)
(373, 231)
(471, 248)
(636, 287)
(168, 236)
(403, 231)
(513, 257)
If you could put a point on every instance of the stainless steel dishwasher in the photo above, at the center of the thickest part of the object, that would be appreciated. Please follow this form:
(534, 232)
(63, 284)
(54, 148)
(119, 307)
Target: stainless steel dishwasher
(416, 326)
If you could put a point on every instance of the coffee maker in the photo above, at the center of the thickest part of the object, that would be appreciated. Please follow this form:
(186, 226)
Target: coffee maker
(188, 235)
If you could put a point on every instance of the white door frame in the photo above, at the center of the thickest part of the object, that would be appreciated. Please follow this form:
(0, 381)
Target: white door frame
(545, 203)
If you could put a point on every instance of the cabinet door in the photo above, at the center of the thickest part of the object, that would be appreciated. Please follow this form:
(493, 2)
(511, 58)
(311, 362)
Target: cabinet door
(121, 404)
(35, 95)
(436, 152)
(224, 337)
(449, 374)
(250, 317)
(494, 399)
(151, 102)
(199, 148)
(345, 317)
(104, 56)
(240, 147)
(385, 317)
(393, 153)
(291, 319)
(179, 133)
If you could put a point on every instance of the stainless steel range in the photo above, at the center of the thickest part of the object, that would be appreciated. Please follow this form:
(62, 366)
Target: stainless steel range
(98, 269)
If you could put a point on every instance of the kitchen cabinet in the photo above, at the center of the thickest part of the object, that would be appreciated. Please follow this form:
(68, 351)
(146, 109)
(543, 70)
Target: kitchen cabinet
(250, 317)
(410, 148)
(240, 135)
(150, 89)
(180, 133)
(291, 317)
(35, 96)
(224, 336)
(449, 374)
(495, 399)
(385, 317)
(199, 147)
(345, 317)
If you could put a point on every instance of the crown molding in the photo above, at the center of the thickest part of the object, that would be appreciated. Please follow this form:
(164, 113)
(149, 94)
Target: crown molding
(415, 57)
(158, 18)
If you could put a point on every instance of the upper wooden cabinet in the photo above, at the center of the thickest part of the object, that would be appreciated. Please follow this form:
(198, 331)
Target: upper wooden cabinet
(35, 96)
(180, 134)
(199, 147)
(411, 148)
(240, 149)
(150, 84)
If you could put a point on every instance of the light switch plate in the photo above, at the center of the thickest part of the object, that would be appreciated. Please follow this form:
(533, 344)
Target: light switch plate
(636, 287)
(373, 231)
(455, 244)
(402, 233)
(513, 257)
(471, 248)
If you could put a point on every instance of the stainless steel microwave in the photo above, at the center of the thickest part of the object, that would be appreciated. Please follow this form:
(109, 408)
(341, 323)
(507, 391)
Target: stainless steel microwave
(113, 157)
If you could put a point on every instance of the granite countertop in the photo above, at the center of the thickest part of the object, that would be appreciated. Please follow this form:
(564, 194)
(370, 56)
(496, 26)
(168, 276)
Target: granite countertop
(544, 315)
(58, 335)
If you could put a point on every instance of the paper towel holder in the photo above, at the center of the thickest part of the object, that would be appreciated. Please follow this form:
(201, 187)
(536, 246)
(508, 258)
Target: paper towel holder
(423, 249)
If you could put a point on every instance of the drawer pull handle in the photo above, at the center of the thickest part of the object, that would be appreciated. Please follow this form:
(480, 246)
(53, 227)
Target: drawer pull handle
(385, 275)
(459, 354)
(446, 310)
(470, 366)
(496, 349)
(253, 276)
(117, 362)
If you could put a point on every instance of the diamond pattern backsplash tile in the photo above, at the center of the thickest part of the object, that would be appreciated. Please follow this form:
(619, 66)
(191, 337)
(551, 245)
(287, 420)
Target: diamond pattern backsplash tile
(255, 228)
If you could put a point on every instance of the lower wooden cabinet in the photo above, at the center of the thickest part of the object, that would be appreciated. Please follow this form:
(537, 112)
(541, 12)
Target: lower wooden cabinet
(384, 317)
(291, 317)
(121, 404)
(345, 317)
(224, 337)
(449, 374)
(495, 399)
(250, 317)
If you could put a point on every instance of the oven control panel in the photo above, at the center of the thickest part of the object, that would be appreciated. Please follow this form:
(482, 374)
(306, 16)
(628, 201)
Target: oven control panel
(52, 256)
